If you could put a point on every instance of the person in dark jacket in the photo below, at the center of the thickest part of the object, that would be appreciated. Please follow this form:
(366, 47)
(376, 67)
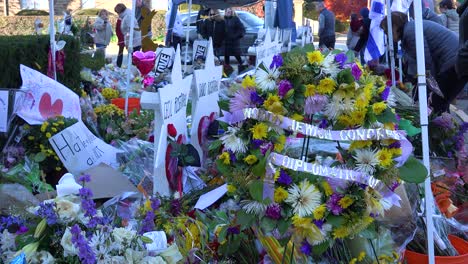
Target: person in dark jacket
(326, 32)
(462, 59)
(202, 17)
(235, 30)
(214, 27)
(440, 52)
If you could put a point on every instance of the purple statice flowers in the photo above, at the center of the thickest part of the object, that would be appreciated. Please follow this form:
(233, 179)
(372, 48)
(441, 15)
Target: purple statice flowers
(277, 61)
(284, 87)
(16, 222)
(87, 203)
(333, 204)
(47, 211)
(85, 253)
(386, 92)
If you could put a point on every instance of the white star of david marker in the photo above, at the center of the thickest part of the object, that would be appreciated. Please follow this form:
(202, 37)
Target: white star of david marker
(267, 50)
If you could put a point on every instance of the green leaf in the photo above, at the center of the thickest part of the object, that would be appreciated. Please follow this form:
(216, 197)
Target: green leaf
(222, 234)
(335, 220)
(345, 76)
(268, 224)
(259, 169)
(408, 127)
(320, 248)
(413, 171)
(369, 232)
(223, 105)
(39, 157)
(387, 116)
(222, 168)
(256, 190)
(283, 225)
(350, 55)
(222, 215)
(309, 48)
(245, 219)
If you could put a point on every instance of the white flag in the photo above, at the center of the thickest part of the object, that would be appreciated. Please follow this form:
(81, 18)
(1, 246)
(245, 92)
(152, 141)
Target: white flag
(401, 5)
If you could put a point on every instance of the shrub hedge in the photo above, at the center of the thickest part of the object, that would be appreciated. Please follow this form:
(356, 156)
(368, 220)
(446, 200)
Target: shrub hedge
(32, 51)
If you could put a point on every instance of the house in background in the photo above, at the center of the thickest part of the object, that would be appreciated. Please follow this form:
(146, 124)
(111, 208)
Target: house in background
(11, 7)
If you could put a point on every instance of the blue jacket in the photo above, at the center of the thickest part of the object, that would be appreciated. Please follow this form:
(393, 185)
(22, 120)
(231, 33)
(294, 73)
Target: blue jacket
(326, 23)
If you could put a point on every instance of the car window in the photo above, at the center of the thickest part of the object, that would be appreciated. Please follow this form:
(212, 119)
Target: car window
(250, 19)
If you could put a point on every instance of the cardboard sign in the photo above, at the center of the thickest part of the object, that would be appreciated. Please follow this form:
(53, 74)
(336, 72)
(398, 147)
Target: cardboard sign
(79, 149)
(44, 98)
(205, 100)
(200, 48)
(3, 111)
(107, 182)
(164, 59)
(267, 50)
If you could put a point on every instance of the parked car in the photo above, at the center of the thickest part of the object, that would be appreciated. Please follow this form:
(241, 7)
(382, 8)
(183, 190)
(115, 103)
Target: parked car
(252, 24)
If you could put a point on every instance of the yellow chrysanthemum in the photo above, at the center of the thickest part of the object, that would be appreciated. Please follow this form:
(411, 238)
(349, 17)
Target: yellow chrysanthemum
(379, 107)
(309, 90)
(340, 232)
(109, 93)
(280, 195)
(358, 116)
(361, 256)
(319, 213)
(259, 131)
(346, 201)
(305, 229)
(315, 57)
(326, 86)
(326, 188)
(385, 157)
(225, 158)
(345, 120)
(389, 126)
(271, 99)
(353, 261)
(395, 152)
(248, 81)
(250, 159)
(359, 144)
(279, 145)
(231, 188)
(297, 117)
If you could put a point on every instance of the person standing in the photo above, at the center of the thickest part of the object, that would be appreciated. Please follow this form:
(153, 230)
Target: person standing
(326, 32)
(177, 32)
(354, 33)
(234, 32)
(449, 15)
(103, 30)
(202, 16)
(126, 15)
(215, 27)
(120, 41)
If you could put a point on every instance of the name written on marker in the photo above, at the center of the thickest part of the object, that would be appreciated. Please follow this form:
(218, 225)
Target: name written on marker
(174, 106)
(208, 88)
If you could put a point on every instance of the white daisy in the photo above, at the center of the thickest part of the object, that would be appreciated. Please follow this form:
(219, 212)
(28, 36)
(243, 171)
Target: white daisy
(304, 198)
(253, 207)
(339, 105)
(232, 142)
(266, 78)
(366, 160)
(329, 65)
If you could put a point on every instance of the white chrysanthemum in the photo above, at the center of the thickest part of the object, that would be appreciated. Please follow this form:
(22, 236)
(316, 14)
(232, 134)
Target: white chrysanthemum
(253, 207)
(329, 66)
(232, 142)
(304, 198)
(123, 235)
(100, 246)
(266, 78)
(42, 257)
(339, 105)
(366, 160)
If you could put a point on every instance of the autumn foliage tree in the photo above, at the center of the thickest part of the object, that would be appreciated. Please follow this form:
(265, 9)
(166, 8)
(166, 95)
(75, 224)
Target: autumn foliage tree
(344, 8)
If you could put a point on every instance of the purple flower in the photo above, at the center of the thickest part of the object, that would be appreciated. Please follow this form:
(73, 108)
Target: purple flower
(284, 178)
(255, 98)
(233, 230)
(277, 61)
(13, 222)
(315, 104)
(241, 100)
(85, 253)
(323, 123)
(341, 59)
(306, 248)
(356, 71)
(284, 87)
(333, 204)
(148, 223)
(155, 203)
(176, 207)
(273, 211)
(394, 185)
(266, 147)
(318, 223)
(87, 203)
(84, 178)
(257, 143)
(395, 144)
(445, 121)
(232, 157)
(47, 211)
(386, 92)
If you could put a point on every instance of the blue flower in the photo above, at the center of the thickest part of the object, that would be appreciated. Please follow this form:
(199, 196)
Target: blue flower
(284, 178)
(47, 211)
(341, 59)
(85, 253)
(84, 178)
(306, 248)
(277, 61)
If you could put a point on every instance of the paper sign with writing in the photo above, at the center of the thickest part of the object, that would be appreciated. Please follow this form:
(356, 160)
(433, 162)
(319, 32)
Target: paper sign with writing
(3, 111)
(164, 59)
(200, 48)
(79, 149)
(267, 50)
(45, 98)
(205, 98)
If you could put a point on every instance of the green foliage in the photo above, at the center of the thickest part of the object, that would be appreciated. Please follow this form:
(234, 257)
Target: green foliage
(413, 171)
(90, 12)
(32, 12)
(32, 51)
(95, 62)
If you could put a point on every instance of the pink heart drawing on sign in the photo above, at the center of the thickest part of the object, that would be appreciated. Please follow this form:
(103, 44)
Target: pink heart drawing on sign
(47, 109)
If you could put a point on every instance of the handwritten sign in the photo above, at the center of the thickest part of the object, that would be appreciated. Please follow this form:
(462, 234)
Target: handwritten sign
(164, 59)
(267, 50)
(79, 149)
(200, 48)
(44, 98)
(3, 111)
(205, 98)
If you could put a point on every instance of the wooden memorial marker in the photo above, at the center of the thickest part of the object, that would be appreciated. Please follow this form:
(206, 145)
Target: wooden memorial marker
(169, 105)
(205, 98)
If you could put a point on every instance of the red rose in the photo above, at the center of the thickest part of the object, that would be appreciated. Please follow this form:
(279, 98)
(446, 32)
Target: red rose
(171, 130)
